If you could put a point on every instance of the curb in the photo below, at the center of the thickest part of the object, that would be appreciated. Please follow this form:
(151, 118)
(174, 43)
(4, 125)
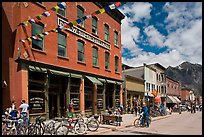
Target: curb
(128, 125)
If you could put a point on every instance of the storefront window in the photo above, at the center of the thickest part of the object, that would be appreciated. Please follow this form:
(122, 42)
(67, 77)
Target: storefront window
(36, 92)
(74, 93)
(117, 96)
(88, 95)
(100, 97)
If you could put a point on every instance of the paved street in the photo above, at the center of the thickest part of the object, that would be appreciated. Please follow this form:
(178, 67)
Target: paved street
(177, 124)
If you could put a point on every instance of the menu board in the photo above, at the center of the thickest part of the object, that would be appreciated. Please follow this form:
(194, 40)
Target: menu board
(36, 105)
(75, 103)
(117, 103)
(100, 103)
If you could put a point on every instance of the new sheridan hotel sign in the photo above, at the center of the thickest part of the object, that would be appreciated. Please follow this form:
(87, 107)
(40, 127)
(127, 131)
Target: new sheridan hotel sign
(84, 34)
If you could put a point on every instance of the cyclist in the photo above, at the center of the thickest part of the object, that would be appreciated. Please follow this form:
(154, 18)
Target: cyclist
(145, 115)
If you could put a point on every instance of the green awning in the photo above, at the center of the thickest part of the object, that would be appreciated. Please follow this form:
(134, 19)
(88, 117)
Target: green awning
(75, 75)
(37, 69)
(102, 80)
(60, 73)
(119, 83)
(110, 81)
(94, 80)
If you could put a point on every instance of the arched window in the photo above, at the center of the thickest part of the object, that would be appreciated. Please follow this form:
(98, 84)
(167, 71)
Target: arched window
(62, 11)
(116, 63)
(106, 32)
(80, 14)
(81, 57)
(94, 25)
(62, 44)
(38, 28)
(107, 60)
(95, 56)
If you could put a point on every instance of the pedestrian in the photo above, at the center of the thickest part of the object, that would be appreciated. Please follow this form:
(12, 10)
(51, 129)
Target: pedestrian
(12, 110)
(135, 107)
(145, 115)
(24, 112)
(71, 109)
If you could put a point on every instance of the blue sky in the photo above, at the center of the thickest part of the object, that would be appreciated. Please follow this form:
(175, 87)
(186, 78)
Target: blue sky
(168, 33)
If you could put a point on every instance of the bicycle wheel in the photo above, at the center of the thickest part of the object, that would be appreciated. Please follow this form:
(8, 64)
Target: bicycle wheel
(33, 130)
(92, 125)
(62, 130)
(80, 128)
(49, 128)
(137, 122)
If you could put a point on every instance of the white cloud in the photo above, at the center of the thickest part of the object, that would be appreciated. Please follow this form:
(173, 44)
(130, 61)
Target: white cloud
(137, 11)
(172, 58)
(130, 33)
(184, 38)
(155, 38)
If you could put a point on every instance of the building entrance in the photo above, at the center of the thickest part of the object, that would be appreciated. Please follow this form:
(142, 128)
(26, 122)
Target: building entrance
(57, 96)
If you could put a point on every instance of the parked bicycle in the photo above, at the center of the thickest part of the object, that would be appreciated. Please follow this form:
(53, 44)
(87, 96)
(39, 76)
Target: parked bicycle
(70, 124)
(12, 127)
(91, 121)
(38, 128)
(138, 121)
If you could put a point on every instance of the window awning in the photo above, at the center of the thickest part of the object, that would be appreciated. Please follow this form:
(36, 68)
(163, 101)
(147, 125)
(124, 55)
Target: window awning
(94, 80)
(119, 83)
(177, 100)
(60, 73)
(170, 99)
(110, 81)
(75, 75)
(37, 69)
(102, 80)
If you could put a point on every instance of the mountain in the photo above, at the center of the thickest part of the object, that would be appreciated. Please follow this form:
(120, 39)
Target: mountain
(190, 75)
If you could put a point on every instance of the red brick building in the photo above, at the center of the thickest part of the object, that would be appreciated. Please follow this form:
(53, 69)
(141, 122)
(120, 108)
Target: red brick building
(82, 64)
(173, 91)
(185, 94)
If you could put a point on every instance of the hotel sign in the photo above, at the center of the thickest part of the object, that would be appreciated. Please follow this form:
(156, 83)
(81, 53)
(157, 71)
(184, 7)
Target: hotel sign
(84, 34)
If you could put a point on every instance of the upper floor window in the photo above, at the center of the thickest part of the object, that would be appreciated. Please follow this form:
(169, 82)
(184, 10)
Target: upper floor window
(106, 32)
(62, 45)
(81, 57)
(116, 63)
(94, 25)
(107, 60)
(95, 56)
(115, 38)
(80, 14)
(62, 11)
(38, 28)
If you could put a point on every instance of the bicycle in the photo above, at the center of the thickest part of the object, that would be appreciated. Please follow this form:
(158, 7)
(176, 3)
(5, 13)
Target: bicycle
(12, 127)
(138, 121)
(91, 121)
(69, 124)
(38, 128)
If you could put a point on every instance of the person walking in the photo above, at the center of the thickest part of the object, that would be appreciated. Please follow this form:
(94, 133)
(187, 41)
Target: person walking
(135, 107)
(71, 109)
(24, 113)
(145, 115)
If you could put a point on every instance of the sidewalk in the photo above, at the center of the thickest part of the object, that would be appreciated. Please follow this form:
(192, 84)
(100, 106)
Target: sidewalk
(128, 120)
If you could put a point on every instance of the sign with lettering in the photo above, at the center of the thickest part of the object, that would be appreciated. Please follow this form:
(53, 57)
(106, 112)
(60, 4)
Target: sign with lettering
(100, 103)
(117, 103)
(84, 34)
(37, 104)
(75, 103)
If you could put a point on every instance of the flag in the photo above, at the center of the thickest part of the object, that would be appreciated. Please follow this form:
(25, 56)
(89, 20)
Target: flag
(155, 93)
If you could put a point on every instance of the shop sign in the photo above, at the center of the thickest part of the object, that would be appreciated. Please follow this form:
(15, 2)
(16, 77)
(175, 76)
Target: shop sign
(100, 103)
(36, 103)
(75, 103)
(84, 34)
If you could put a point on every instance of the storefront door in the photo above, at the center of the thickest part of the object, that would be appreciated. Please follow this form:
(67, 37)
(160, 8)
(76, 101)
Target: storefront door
(52, 105)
